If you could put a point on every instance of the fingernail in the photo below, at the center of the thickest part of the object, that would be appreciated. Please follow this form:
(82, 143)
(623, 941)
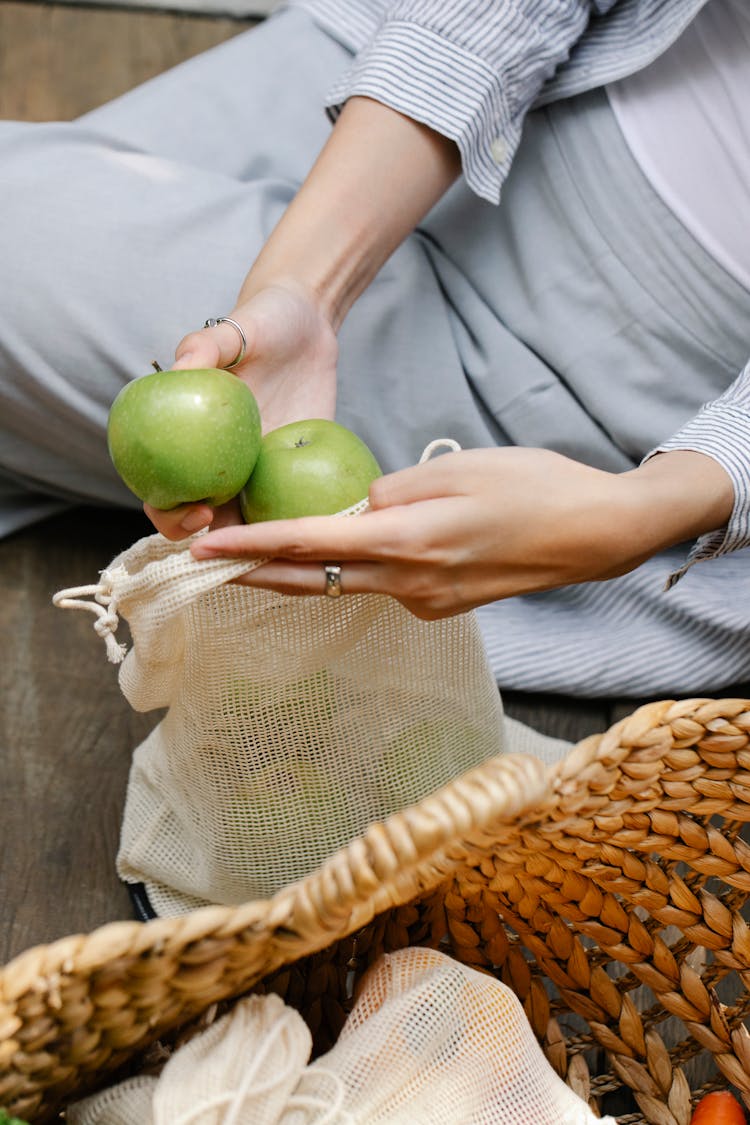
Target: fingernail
(194, 521)
(199, 551)
(184, 361)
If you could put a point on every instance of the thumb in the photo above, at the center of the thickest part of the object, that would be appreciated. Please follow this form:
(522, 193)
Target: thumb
(217, 346)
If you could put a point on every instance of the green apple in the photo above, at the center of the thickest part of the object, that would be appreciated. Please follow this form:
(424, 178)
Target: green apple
(177, 437)
(311, 468)
(300, 705)
(292, 801)
(425, 756)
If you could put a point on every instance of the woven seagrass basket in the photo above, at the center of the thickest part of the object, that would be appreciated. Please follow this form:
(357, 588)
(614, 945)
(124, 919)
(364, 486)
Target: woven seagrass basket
(609, 892)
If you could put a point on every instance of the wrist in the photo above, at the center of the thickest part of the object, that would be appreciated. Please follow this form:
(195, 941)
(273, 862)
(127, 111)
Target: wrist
(680, 495)
(327, 268)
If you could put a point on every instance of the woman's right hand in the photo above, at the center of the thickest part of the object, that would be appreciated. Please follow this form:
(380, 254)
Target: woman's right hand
(377, 175)
(290, 366)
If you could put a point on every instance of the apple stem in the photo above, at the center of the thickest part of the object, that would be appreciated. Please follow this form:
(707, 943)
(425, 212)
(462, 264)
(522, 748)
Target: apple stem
(155, 365)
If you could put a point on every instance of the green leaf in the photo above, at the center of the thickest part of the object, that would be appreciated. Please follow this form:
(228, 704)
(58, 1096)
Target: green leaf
(5, 1119)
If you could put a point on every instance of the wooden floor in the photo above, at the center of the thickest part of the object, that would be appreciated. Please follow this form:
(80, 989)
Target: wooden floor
(66, 733)
(58, 61)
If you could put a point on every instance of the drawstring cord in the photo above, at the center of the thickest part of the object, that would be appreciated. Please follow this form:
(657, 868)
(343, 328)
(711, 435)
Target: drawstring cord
(439, 443)
(104, 606)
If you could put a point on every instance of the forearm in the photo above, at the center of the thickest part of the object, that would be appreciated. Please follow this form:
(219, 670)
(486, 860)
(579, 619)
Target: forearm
(375, 179)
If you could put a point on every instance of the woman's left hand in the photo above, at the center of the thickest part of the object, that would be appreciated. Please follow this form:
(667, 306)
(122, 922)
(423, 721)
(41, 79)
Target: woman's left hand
(471, 527)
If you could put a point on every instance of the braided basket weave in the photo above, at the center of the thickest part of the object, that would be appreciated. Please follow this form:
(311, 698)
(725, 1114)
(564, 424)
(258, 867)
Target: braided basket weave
(609, 892)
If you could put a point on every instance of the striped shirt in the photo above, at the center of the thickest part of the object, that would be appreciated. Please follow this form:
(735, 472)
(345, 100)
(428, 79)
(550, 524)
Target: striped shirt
(473, 69)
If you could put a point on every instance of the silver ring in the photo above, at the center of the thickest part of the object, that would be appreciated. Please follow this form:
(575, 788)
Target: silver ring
(212, 322)
(333, 581)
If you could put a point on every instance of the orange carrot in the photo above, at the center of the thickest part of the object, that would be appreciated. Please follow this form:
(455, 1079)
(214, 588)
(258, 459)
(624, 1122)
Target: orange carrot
(719, 1108)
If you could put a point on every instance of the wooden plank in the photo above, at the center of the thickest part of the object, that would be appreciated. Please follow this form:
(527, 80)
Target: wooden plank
(66, 735)
(58, 62)
(558, 715)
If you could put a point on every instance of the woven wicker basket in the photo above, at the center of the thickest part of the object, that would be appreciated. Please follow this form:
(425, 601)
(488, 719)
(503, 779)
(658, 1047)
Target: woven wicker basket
(609, 893)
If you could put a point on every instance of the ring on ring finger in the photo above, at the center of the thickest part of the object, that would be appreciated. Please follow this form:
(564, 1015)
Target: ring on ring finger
(333, 581)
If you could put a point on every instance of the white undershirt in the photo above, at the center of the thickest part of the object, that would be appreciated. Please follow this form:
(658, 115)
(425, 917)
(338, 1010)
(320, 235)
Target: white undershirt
(686, 120)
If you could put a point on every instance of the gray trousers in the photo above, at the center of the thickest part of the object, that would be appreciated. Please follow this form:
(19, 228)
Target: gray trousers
(579, 316)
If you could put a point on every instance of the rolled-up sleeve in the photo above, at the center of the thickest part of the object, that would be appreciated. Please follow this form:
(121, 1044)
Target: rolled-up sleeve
(470, 69)
(721, 430)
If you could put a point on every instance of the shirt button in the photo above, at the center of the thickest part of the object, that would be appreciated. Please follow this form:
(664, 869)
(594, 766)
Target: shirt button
(498, 150)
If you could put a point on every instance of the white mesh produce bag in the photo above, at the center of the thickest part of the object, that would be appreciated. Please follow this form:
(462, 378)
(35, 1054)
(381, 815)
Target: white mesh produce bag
(429, 1042)
(433, 1041)
(240, 1071)
(291, 723)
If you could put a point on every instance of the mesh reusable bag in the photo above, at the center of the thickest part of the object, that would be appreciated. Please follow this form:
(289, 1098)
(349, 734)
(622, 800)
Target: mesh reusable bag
(241, 1069)
(291, 723)
(429, 1042)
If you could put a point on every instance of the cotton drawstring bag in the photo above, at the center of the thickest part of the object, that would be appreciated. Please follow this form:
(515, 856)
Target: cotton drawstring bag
(429, 1042)
(239, 1071)
(291, 723)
